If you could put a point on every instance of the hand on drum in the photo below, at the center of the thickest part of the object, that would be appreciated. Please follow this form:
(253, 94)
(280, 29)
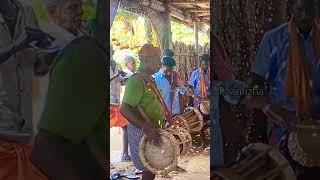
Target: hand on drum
(153, 135)
(274, 113)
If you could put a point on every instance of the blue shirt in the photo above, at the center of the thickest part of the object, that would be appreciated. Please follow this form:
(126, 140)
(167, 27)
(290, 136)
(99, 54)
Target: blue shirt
(164, 86)
(194, 81)
(271, 63)
(216, 158)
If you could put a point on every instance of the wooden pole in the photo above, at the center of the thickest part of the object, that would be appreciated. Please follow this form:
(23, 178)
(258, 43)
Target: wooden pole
(195, 25)
(191, 2)
(198, 10)
(196, 34)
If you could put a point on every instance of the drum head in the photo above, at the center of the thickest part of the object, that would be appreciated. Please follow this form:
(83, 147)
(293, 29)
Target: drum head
(301, 144)
(160, 159)
(205, 107)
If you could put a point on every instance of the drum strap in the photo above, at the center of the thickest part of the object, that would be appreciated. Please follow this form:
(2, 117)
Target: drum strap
(159, 96)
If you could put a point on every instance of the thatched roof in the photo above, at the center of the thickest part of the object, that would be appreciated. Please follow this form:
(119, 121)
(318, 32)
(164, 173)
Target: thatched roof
(183, 11)
(197, 10)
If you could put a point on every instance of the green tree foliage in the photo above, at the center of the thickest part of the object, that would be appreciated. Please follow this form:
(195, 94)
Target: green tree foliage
(185, 34)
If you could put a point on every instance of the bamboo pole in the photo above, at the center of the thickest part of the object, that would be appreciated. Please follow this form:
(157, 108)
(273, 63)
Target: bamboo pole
(191, 2)
(198, 10)
(196, 35)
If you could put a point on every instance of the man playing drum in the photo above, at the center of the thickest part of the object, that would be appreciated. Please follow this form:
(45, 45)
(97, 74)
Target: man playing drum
(288, 62)
(141, 106)
(200, 82)
(167, 82)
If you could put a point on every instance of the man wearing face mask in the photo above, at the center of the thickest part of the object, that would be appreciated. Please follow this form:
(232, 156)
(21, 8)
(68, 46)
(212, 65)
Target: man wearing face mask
(288, 63)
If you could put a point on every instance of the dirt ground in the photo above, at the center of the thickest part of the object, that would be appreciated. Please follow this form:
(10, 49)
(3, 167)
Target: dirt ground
(196, 164)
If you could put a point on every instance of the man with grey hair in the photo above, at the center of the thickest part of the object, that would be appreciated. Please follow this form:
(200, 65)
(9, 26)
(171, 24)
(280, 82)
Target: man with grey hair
(130, 63)
(64, 25)
(65, 20)
(116, 119)
(72, 139)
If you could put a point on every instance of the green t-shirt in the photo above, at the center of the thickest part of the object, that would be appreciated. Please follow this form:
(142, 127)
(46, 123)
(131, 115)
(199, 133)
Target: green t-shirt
(76, 99)
(137, 94)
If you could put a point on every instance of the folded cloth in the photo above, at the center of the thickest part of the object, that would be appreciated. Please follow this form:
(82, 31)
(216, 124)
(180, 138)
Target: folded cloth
(116, 119)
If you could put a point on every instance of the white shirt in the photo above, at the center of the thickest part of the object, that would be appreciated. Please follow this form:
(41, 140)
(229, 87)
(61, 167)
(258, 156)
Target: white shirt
(61, 35)
(115, 85)
(16, 78)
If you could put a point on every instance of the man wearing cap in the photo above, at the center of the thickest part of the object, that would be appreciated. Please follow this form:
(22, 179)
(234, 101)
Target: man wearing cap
(116, 119)
(167, 83)
(200, 81)
(143, 105)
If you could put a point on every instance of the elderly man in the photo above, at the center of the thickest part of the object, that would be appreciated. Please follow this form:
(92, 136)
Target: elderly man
(143, 105)
(64, 25)
(72, 140)
(116, 119)
(18, 65)
(288, 62)
(130, 63)
(65, 20)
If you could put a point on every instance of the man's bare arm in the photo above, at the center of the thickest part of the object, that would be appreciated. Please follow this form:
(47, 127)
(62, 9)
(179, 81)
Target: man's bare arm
(137, 117)
(134, 116)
